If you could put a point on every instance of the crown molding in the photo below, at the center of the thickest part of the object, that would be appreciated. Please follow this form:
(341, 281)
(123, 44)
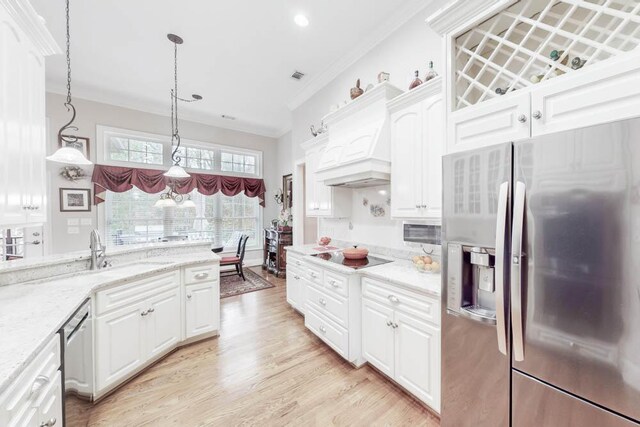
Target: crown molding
(458, 12)
(408, 10)
(425, 90)
(152, 107)
(33, 25)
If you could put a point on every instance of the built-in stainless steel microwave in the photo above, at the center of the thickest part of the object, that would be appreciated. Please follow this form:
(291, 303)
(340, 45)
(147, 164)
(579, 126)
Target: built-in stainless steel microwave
(421, 233)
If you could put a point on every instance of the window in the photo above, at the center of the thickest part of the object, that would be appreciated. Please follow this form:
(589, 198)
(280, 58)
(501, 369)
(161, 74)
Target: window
(124, 149)
(132, 218)
(11, 244)
(242, 163)
(196, 158)
(121, 147)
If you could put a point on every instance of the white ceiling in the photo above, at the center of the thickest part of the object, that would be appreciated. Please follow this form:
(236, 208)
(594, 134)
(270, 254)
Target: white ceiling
(238, 55)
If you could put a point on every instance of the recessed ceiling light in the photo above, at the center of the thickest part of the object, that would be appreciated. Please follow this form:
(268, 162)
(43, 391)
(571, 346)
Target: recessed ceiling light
(301, 20)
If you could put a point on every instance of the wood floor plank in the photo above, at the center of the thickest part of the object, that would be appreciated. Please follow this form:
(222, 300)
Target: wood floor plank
(265, 369)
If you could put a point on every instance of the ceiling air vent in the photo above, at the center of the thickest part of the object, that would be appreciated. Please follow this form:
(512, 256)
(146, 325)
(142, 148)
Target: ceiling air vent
(297, 75)
(225, 116)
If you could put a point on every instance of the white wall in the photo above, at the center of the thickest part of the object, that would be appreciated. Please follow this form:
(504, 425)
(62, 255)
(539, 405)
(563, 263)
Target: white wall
(409, 48)
(91, 114)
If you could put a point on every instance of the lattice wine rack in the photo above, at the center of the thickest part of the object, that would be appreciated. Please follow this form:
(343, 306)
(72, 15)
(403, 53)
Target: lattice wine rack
(532, 41)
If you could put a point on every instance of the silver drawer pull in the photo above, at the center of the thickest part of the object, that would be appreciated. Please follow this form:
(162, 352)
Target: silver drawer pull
(298, 263)
(394, 325)
(49, 423)
(38, 383)
(144, 313)
(333, 283)
(201, 276)
(151, 310)
(188, 296)
(323, 329)
(296, 277)
(312, 274)
(393, 298)
(322, 301)
(389, 323)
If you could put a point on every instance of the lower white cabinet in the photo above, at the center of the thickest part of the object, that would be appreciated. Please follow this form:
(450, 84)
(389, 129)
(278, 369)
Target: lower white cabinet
(202, 308)
(296, 285)
(34, 398)
(163, 325)
(401, 339)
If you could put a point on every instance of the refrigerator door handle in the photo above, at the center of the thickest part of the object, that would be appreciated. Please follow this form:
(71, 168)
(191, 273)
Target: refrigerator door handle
(516, 272)
(501, 230)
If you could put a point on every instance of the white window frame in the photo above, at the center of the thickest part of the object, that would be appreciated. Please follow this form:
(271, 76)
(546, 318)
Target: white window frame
(103, 154)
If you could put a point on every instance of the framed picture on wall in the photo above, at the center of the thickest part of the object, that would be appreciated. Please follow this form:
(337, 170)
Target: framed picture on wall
(78, 142)
(75, 200)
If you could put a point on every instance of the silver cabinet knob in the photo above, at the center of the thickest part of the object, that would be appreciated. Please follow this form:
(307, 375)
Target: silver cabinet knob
(296, 277)
(322, 301)
(189, 296)
(537, 115)
(144, 313)
(389, 323)
(394, 326)
(312, 274)
(393, 298)
(417, 206)
(201, 276)
(49, 423)
(151, 310)
(333, 283)
(522, 118)
(322, 329)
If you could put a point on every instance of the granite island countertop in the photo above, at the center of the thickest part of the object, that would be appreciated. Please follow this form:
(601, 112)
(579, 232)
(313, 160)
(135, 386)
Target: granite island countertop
(30, 313)
(311, 248)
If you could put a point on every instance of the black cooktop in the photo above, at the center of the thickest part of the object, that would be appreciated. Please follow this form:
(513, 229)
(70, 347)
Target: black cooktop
(338, 258)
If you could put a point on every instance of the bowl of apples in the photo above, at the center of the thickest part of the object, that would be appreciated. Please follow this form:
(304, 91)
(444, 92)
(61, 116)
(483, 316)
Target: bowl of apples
(425, 264)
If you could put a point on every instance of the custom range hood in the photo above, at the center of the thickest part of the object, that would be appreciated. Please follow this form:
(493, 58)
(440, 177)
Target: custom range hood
(358, 153)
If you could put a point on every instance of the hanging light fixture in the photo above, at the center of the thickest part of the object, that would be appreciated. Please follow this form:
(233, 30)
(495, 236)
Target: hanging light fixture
(176, 171)
(171, 198)
(67, 154)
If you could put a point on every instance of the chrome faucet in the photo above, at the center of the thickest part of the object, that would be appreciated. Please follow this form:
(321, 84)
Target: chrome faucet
(98, 255)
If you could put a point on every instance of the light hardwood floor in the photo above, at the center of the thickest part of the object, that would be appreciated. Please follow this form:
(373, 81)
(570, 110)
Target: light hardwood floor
(265, 369)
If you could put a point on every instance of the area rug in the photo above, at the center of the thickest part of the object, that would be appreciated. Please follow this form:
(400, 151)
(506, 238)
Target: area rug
(234, 285)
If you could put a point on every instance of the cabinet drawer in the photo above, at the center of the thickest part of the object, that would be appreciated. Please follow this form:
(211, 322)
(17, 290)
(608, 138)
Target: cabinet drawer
(333, 335)
(314, 274)
(295, 260)
(129, 293)
(336, 283)
(422, 306)
(334, 307)
(31, 384)
(201, 273)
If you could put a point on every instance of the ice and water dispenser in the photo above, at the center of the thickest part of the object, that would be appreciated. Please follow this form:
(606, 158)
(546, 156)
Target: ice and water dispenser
(471, 282)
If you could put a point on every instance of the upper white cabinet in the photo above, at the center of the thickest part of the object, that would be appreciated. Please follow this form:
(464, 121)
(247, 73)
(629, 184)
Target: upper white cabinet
(322, 200)
(417, 145)
(23, 197)
(517, 70)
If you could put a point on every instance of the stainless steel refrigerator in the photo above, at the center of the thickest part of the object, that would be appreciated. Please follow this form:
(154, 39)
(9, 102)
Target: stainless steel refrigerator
(541, 281)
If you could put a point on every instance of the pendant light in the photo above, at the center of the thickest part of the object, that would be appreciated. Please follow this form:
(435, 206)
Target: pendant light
(67, 154)
(176, 171)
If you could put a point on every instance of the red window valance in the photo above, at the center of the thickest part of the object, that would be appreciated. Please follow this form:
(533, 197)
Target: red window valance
(119, 179)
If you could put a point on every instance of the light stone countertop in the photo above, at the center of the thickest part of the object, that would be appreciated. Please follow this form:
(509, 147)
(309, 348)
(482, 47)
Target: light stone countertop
(310, 249)
(30, 313)
(400, 272)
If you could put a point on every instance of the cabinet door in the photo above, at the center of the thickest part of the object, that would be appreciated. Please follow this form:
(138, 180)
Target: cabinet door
(12, 104)
(417, 358)
(202, 308)
(377, 336)
(163, 322)
(433, 149)
(120, 344)
(293, 287)
(600, 93)
(490, 122)
(407, 162)
(50, 404)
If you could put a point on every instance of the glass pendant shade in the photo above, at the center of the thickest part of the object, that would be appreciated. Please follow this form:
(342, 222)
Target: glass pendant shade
(176, 171)
(69, 156)
(187, 204)
(165, 202)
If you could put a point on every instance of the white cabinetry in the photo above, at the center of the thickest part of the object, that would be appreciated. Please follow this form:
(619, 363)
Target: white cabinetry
(35, 397)
(137, 331)
(332, 310)
(322, 200)
(22, 116)
(401, 337)
(296, 283)
(202, 300)
(417, 145)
